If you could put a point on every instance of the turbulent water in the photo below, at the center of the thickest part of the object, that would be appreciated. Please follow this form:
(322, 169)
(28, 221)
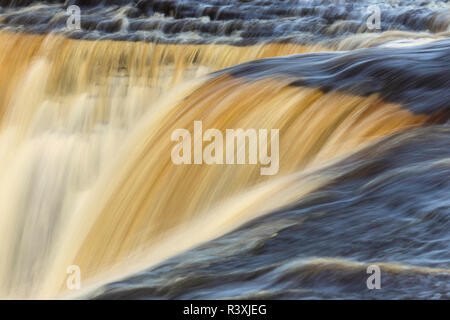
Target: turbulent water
(87, 179)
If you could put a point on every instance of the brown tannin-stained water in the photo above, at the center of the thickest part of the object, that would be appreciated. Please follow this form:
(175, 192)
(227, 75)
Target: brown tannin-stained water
(358, 137)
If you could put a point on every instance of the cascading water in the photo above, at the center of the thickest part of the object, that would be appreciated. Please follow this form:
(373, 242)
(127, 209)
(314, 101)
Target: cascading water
(85, 142)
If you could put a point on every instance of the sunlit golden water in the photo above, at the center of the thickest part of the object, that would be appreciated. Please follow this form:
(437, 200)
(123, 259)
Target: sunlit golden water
(85, 147)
